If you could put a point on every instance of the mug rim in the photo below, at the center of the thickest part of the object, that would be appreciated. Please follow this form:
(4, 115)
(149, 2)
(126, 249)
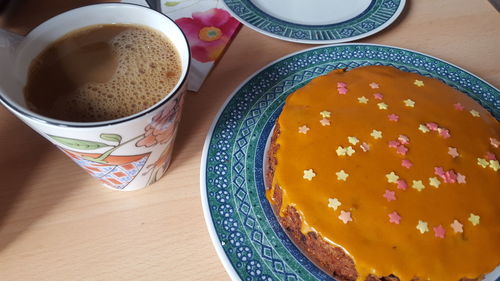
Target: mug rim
(13, 106)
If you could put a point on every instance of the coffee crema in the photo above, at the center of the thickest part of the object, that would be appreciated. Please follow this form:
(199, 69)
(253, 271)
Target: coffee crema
(102, 72)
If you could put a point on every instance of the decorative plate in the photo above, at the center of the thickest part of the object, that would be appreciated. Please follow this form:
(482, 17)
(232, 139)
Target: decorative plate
(317, 21)
(243, 227)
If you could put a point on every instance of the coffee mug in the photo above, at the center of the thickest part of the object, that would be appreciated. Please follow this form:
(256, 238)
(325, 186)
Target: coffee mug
(128, 153)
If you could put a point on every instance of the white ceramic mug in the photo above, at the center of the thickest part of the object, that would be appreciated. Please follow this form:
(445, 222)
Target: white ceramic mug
(124, 154)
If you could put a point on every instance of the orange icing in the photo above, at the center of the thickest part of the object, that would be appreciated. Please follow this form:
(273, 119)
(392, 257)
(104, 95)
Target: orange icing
(376, 245)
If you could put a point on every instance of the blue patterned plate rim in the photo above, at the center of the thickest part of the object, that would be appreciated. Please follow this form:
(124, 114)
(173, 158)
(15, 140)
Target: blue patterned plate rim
(379, 15)
(214, 235)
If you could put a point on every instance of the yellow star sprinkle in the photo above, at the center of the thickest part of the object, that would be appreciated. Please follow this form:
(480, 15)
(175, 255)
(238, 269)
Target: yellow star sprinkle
(363, 99)
(341, 175)
(423, 128)
(382, 106)
(409, 103)
(419, 83)
(349, 150)
(376, 134)
(334, 203)
(392, 177)
(495, 165)
(325, 114)
(352, 140)
(340, 151)
(418, 185)
(303, 129)
(422, 227)
(309, 174)
(483, 162)
(474, 113)
(434, 182)
(474, 219)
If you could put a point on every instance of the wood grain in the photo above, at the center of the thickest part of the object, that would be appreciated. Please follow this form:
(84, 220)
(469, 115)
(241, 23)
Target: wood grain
(56, 223)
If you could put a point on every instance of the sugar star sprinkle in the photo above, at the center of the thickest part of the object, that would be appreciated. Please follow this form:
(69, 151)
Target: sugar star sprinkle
(453, 152)
(394, 217)
(439, 231)
(457, 226)
(349, 151)
(445, 133)
(363, 99)
(482, 162)
(389, 195)
(418, 185)
(352, 140)
(474, 113)
(334, 203)
(406, 163)
(401, 149)
(402, 184)
(458, 106)
(382, 106)
(376, 134)
(341, 175)
(434, 182)
(423, 128)
(325, 122)
(432, 126)
(474, 219)
(393, 117)
(364, 146)
(341, 85)
(373, 85)
(345, 217)
(303, 129)
(378, 96)
(422, 227)
(409, 103)
(419, 83)
(340, 151)
(342, 91)
(392, 177)
(495, 165)
(490, 156)
(309, 174)
(404, 139)
(460, 178)
(325, 114)
(494, 142)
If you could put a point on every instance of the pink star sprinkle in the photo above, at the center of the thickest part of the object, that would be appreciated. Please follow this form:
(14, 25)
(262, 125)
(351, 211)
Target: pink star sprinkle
(495, 142)
(453, 152)
(439, 231)
(460, 178)
(393, 117)
(450, 177)
(373, 85)
(378, 96)
(438, 171)
(389, 195)
(403, 139)
(490, 156)
(432, 126)
(325, 122)
(342, 91)
(457, 226)
(341, 85)
(402, 184)
(402, 150)
(365, 147)
(394, 218)
(406, 163)
(345, 217)
(444, 133)
(393, 144)
(458, 106)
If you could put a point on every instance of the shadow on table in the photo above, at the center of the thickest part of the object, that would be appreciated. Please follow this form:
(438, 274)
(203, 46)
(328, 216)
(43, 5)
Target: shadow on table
(22, 153)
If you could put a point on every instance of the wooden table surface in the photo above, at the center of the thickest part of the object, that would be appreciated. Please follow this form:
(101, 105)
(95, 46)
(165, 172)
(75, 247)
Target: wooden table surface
(57, 223)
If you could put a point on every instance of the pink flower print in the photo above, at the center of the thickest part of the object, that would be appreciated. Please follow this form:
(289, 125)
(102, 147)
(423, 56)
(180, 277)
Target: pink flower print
(208, 33)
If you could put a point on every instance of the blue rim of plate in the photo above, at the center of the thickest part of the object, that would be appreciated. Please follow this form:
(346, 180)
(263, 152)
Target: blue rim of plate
(243, 228)
(378, 15)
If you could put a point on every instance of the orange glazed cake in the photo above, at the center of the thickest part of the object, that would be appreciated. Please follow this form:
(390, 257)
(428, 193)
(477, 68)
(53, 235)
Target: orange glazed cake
(380, 174)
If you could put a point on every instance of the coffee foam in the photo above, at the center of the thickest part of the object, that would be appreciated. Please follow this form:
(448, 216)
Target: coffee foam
(148, 69)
